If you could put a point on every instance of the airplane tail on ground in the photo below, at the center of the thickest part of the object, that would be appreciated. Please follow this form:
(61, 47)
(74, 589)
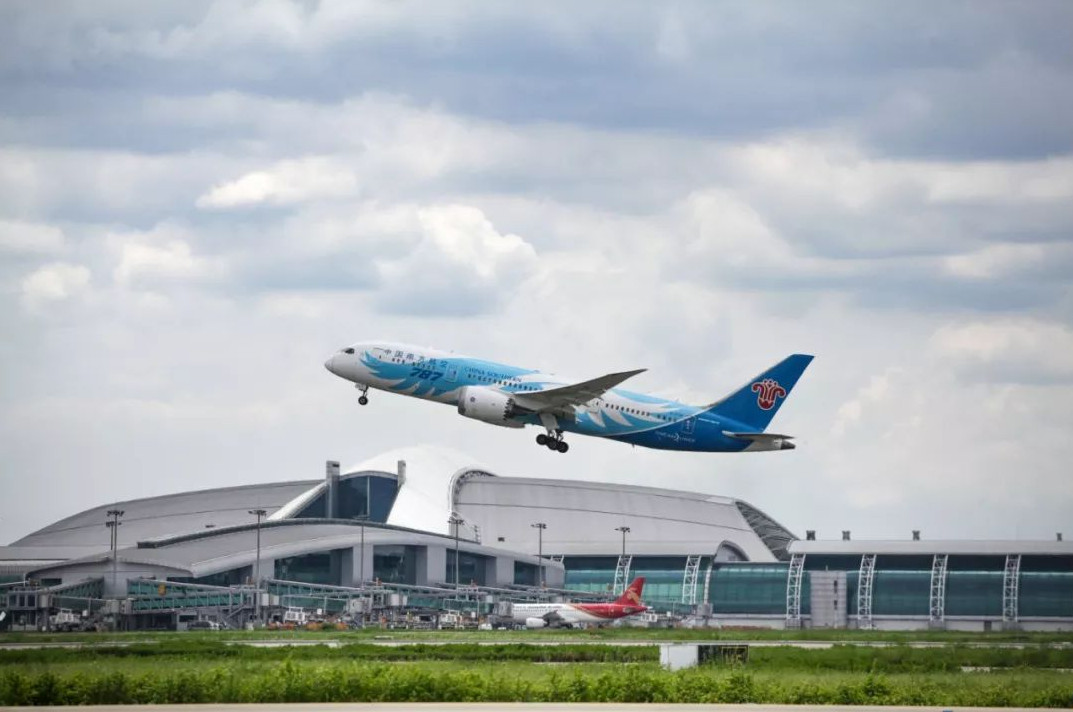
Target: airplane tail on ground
(632, 595)
(756, 403)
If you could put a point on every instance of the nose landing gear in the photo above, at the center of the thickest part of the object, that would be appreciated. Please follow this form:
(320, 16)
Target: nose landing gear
(553, 441)
(363, 399)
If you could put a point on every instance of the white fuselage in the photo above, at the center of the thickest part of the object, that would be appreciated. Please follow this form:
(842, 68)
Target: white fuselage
(564, 612)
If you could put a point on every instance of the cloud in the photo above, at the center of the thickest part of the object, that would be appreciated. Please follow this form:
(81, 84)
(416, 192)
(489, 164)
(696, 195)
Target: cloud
(159, 257)
(461, 265)
(996, 261)
(21, 237)
(1010, 350)
(54, 282)
(699, 189)
(850, 412)
(285, 183)
(1043, 181)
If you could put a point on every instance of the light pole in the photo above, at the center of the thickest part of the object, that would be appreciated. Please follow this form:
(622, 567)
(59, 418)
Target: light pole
(540, 527)
(362, 518)
(113, 525)
(259, 513)
(456, 520)
(625, 531)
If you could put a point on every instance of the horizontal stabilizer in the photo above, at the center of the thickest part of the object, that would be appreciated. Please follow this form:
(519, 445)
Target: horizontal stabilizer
(763, 441)
(574, 394)
(757, 437)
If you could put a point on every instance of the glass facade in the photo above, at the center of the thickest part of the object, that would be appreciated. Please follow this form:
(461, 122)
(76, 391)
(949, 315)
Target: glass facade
(752, 588)
(901, 585)
(315, 509)
(359, 497)
(591, 574)
(974, 593)
(310, 568)
(470, 568)
(899, 593)
(1046, 593)
(733, 587)
(526, 574)
(395, 564)
(231, 577)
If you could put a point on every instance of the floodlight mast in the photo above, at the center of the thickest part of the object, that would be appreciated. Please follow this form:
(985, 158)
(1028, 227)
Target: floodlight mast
(113, 525)
(625, 530)
(456, 521)
(540, 527)
(260, 514)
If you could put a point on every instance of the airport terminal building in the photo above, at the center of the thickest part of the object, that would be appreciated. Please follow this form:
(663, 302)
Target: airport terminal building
(427, 528)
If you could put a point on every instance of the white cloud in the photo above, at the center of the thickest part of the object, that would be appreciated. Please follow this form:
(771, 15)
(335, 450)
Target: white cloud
(666, 193)
(995, 260)
(1042, 181)
(54, 282)
(460, 263)
(30, 238)
(285, 183)
(161, 255)
(463, 235)
(1021, 350)
(850, 412)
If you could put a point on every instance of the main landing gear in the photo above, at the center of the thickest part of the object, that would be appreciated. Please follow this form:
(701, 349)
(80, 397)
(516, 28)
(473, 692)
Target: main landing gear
(363, 399)
(553, 441)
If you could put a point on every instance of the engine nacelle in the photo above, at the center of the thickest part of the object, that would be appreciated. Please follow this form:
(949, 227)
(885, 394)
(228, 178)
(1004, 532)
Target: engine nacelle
(536, 623)
(488, 406)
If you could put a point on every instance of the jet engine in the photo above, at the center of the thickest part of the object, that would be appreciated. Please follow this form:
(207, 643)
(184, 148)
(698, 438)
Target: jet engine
(488, 406)
(536, 623)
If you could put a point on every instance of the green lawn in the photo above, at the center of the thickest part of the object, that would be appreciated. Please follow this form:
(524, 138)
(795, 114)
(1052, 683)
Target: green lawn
(597, 634)
(186, 670)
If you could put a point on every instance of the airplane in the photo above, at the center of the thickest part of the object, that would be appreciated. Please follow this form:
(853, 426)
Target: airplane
(543, 615)
(514, 397)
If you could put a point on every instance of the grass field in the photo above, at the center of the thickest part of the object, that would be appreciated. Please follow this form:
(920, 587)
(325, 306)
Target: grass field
(188, 670)
(589, 635)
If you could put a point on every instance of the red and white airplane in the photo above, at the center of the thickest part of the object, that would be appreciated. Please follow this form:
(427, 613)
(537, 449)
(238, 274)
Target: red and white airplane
(543, 615)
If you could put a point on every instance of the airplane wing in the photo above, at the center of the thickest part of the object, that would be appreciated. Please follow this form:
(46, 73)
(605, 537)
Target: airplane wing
(553, 617)
(574, 394)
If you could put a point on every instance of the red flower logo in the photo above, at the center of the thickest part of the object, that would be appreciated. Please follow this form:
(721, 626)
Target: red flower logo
(767, 392)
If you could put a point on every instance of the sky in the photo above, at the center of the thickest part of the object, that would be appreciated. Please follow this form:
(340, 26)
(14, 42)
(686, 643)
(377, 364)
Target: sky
(200, 201)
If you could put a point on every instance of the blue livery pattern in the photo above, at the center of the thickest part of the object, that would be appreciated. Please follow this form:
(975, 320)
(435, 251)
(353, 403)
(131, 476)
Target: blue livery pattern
(728, 425)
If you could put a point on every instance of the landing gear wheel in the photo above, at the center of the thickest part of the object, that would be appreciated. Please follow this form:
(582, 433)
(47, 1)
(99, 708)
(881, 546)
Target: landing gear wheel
(562, 446)
(542, 439)
(552, 444)
(363, 400)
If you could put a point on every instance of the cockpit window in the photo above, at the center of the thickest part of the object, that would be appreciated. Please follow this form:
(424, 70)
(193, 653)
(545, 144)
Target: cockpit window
(348, 350)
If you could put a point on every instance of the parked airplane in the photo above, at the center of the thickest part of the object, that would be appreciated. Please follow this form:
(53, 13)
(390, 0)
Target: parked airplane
(542, 615)
(515, 397)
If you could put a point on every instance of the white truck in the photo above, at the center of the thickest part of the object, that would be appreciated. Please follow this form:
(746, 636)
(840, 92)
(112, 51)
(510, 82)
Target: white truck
(64, 620)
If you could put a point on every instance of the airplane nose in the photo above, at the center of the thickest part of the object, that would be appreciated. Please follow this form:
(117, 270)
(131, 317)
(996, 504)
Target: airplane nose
(330, 364)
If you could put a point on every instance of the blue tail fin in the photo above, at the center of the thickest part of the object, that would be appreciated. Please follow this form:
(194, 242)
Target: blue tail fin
(756, 403)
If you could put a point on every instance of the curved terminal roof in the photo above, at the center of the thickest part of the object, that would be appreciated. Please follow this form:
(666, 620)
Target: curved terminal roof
(436, 484)
(582, 519)
(211, 530)
(430, 481)
(166, 515)
(207, 553)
